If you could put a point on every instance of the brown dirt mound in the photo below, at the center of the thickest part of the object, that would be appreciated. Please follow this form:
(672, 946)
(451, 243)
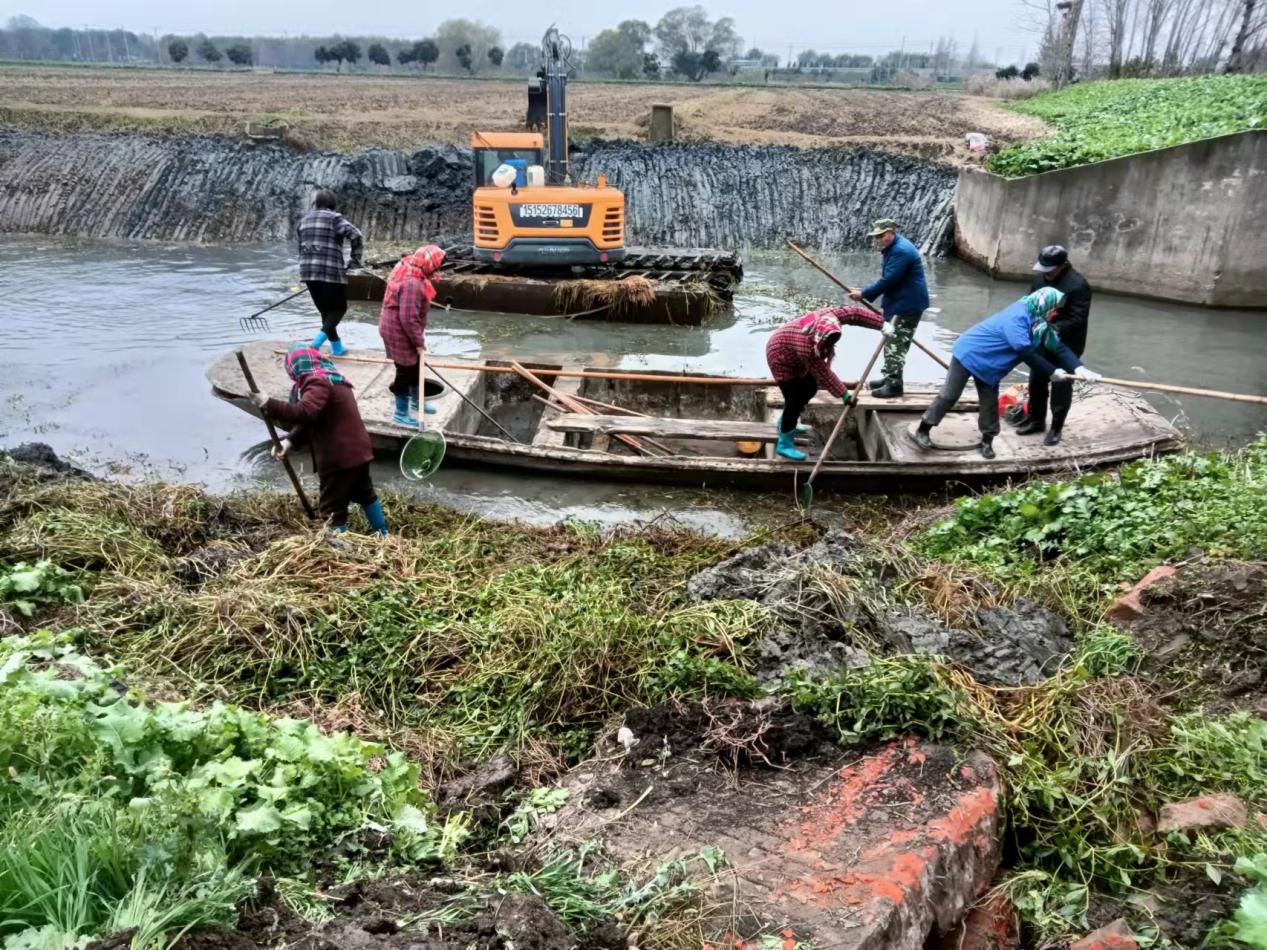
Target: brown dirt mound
(1207, 626)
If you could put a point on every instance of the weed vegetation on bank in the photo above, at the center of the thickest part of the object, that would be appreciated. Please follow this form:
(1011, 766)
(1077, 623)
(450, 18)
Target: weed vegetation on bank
(1100, 120)
(458, 638)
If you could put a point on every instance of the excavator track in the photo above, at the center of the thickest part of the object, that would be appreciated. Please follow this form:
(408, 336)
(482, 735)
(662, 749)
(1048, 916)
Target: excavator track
(721, 270)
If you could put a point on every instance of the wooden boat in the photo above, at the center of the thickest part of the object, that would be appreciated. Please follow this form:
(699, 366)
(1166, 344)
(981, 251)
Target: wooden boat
(718, 433)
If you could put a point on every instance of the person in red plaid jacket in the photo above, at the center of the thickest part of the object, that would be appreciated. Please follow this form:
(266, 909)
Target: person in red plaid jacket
(799, 354)
(402, 323)
(322, 232)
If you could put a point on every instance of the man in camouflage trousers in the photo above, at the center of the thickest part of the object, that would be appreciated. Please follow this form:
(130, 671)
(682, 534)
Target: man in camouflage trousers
(905, 293)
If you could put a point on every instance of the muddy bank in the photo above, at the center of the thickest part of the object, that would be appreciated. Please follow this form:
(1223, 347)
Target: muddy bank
(221, 190)
(833, 605)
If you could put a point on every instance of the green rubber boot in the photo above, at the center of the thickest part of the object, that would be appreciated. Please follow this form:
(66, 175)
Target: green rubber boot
(786, 447)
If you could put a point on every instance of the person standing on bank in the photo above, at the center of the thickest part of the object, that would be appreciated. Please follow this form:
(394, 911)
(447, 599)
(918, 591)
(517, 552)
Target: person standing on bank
(990, 350)
(905, 293)
(322, 232)
(799, 355)
(402, 324)
(1070, 322)
(323, 410)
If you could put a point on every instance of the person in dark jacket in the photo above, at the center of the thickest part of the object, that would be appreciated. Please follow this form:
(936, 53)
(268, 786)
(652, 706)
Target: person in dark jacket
(905, 293)
(1070, 322)
(322, 409)
(799, 355)
(993, 348)
(322, 232)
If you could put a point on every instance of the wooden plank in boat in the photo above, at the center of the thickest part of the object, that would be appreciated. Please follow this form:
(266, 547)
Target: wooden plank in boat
(555, 438)
(656, 427)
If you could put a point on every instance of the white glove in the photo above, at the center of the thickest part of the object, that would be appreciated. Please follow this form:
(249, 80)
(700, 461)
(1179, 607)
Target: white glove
(259, 400)
(281, 451)
(1085, 372)
(1059, 376)
(888, 329)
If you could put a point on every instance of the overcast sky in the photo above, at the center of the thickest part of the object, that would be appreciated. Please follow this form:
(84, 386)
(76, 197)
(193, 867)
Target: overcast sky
(875, 26)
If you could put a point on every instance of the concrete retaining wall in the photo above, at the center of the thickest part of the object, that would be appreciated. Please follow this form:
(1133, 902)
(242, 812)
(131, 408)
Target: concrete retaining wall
(1181, 223)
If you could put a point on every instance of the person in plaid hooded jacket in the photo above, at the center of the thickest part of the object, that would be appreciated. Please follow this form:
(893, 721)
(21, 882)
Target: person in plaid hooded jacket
(402, 324)
(799, 354)
(321, 233)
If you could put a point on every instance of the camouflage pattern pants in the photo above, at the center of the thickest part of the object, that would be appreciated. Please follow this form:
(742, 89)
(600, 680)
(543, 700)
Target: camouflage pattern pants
(900, 344)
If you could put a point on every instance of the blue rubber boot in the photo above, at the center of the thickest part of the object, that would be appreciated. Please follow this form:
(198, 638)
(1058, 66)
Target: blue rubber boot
(319, 340)
(787, 447)
(374, 515)
(403, 417)
(799, 430)
(338, 349)
(413, 402)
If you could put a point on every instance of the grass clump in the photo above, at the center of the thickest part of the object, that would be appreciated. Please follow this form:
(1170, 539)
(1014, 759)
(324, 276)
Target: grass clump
(121, 813)
(1100, 530)
(469, 635)
(1101, 120)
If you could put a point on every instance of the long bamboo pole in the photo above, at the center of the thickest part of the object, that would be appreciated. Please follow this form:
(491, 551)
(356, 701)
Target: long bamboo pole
(1108, 381)
(576, 373)
(867, 303)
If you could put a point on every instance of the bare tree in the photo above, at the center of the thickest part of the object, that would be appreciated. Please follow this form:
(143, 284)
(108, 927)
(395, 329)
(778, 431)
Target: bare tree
(1250, 26)
(1115, 15)
(1068, 35)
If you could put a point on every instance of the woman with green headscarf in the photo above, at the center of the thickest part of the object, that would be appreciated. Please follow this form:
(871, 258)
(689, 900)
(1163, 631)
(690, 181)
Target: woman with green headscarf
(322, 410)
(993, 348)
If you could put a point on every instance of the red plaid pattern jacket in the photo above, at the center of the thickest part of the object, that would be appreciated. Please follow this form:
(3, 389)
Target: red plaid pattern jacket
(402, 323)
(791, 353)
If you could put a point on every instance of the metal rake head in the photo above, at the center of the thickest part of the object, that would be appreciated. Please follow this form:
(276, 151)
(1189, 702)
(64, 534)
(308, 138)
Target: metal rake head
(253, 324)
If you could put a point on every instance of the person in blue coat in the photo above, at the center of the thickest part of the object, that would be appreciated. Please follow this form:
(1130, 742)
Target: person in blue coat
(905, 293)
(993, 348)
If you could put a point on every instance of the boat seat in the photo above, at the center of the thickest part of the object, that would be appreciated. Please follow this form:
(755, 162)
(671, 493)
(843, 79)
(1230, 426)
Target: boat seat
(658, 427)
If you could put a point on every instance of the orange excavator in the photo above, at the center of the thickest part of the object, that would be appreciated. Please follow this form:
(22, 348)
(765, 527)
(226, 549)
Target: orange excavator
(542, 218)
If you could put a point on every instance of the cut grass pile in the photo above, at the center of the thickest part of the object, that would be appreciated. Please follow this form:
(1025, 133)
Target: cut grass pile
(1101, 120)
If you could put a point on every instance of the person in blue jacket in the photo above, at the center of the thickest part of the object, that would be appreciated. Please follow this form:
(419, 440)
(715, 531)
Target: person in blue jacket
(993, 348)
(905, 293)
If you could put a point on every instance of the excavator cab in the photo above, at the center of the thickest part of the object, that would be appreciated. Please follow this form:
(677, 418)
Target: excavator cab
(493, 149)
(557, 222)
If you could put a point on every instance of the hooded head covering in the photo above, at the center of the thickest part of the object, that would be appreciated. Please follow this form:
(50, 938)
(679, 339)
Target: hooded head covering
(1043, 302)
(823, 328)
(1042, 305)
(302, 361)
(421, 264)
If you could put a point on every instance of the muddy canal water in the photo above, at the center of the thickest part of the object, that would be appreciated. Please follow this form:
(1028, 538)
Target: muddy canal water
(106, 344)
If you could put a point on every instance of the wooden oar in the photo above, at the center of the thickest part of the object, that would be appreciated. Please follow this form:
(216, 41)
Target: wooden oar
(572, 404)
(1185, 390)
(629, 412)
(867, 303)
(807, 490)
(277, 442)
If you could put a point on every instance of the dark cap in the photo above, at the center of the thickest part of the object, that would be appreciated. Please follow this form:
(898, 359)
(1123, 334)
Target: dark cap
(1052, 256)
